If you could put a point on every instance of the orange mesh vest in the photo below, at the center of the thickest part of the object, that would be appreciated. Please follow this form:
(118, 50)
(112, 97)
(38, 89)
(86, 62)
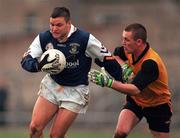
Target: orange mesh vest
(157, 92)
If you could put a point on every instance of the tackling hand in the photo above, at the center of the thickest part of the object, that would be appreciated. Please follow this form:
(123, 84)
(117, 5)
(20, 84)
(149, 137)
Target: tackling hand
(100, 77)
(127, 73)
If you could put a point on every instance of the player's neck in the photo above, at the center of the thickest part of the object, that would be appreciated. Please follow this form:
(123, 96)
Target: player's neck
(139, 51)
(64, 39)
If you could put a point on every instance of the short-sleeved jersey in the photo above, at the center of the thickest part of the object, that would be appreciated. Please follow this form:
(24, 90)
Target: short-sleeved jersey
(79, 49)
(157, 92)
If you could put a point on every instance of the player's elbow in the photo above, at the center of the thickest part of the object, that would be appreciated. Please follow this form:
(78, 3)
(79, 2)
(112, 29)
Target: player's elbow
(134, 92)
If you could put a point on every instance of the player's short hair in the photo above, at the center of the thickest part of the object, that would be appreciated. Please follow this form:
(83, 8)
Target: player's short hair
(61, 12)
(138, 31)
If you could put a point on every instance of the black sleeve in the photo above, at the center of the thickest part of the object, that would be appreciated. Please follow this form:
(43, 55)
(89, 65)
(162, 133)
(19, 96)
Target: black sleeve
(119, 51)
(29, 64)
(112, 67)
(149, 72)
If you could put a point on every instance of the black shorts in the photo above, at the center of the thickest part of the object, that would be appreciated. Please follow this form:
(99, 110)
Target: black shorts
(158, 117)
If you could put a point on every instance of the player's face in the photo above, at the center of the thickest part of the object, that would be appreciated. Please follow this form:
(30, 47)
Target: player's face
(128, 42)
(59, 27)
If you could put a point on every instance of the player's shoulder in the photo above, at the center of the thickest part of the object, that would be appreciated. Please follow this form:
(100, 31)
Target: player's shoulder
(82, 32)
(45, 34)
(45, 37)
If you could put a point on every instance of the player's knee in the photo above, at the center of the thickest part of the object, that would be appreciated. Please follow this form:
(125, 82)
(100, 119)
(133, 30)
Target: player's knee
(35, 128)
(54, 134)
(120, 134)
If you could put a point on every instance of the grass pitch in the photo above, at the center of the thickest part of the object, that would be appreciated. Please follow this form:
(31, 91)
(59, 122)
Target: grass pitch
(23, 133)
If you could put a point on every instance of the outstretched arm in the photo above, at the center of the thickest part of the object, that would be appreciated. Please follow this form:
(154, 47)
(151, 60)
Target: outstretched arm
(103, 79)
(149, 72)
(129, 89)
(111, 66)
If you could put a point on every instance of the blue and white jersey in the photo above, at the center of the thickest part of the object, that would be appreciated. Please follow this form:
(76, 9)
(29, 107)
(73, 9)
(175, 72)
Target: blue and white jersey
(79, 49)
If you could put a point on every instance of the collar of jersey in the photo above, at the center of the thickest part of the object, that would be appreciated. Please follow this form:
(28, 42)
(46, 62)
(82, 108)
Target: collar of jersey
(72, 30)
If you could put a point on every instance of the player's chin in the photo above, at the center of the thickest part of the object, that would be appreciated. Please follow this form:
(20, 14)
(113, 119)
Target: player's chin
(128, 51)
(56, 36)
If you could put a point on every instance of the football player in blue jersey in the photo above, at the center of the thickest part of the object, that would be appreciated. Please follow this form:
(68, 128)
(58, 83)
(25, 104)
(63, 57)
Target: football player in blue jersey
(63, 96)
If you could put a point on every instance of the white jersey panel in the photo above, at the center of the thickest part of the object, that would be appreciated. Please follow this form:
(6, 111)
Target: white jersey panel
(35, 48)
(95, 49)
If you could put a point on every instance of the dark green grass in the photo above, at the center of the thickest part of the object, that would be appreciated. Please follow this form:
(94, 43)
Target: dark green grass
(23, 133)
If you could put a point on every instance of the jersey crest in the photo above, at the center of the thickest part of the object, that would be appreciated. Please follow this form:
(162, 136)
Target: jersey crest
(49, 46)
(74, 48)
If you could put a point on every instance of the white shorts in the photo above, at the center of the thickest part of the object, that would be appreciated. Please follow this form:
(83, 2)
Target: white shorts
(75, 99)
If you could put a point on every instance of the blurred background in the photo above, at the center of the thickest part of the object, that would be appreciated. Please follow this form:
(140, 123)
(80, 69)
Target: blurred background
(22, 20)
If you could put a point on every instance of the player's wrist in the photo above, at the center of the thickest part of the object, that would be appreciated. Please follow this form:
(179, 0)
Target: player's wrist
(124, 66)
(110, 82)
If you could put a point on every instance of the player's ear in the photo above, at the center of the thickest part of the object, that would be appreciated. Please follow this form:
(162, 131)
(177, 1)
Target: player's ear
(139, 41)
(69, 22)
